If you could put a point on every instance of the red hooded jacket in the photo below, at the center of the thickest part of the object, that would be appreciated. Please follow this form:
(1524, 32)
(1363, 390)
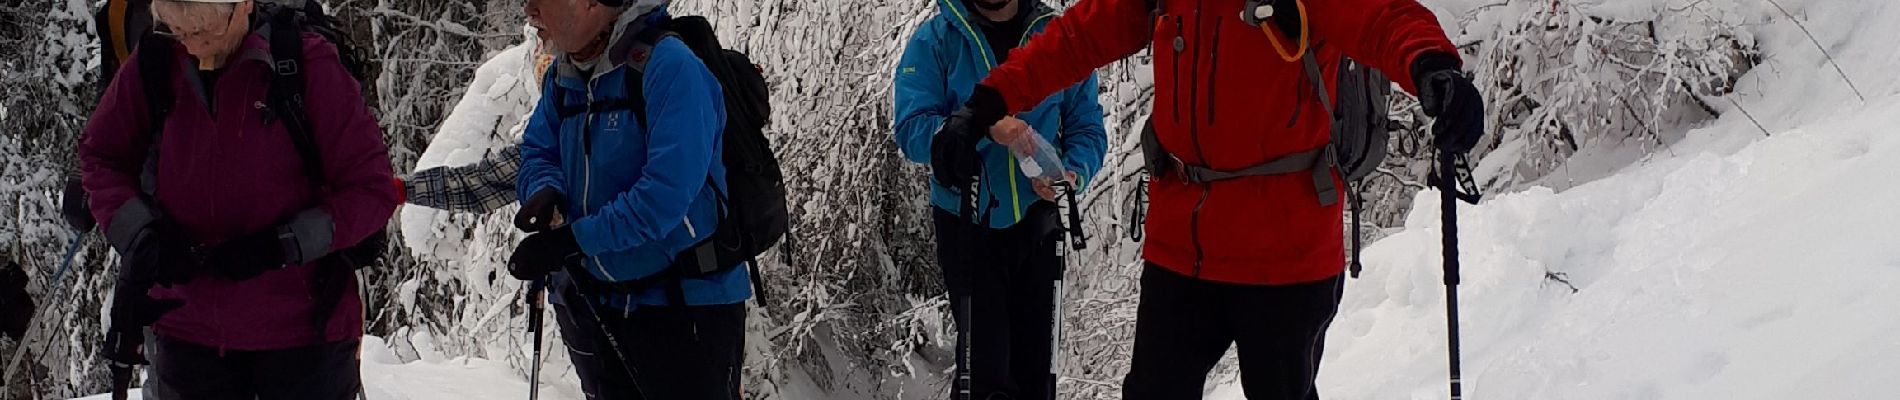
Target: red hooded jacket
(1226, 100)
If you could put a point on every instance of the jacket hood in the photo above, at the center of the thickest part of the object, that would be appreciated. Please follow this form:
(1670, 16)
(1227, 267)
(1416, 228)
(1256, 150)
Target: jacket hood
(623, 43)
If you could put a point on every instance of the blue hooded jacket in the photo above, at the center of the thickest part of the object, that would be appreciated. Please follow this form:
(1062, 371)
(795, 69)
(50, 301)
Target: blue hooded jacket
(641, 194)
(941, 66)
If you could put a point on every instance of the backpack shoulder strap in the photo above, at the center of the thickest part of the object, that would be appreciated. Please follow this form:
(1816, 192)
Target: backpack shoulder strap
(116, 34)
(637, 93)
(636, 81)
(285, 97)
(156, 63)
(1310, 60)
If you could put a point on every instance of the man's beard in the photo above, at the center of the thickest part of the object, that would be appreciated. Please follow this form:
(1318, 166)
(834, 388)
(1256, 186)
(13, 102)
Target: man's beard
(991, 5)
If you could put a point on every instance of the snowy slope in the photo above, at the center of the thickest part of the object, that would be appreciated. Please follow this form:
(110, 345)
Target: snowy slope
(1702, 276)
(1729, 266)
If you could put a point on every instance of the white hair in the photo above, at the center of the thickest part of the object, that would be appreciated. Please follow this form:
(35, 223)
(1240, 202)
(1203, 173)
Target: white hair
(191, 13)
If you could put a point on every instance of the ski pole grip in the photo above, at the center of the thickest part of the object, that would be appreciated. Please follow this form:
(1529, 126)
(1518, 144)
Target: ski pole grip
(1448, 206)
(1076, 238)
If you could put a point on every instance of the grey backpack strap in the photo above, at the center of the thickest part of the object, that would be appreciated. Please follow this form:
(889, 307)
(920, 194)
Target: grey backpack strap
(1287, 164)
(1314, 77)
(1322, 173)
(642, 51)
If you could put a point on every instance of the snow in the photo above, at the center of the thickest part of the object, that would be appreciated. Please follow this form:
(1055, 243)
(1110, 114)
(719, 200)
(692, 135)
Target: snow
(490, 117)
(387, 377)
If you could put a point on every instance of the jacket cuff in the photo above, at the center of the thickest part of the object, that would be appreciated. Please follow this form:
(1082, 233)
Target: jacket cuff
(129, 222)
(986, 107)
(1431, 61)
(307, 237)
(402, 189)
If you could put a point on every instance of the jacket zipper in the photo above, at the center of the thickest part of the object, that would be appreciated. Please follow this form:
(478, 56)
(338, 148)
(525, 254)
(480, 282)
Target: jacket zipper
(1200, 153)
(1213, 72)
(1180, 45)
(587, 165)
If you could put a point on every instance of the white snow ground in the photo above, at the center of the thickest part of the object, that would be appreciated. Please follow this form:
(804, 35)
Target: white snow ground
(387, 378)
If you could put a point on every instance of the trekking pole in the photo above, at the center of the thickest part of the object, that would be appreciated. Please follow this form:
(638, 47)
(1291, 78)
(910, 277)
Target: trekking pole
(72, 251)
(1454, 185)
(1077, 241)
(121, 380)
(536, 306)
(576, 275)
(967, 212)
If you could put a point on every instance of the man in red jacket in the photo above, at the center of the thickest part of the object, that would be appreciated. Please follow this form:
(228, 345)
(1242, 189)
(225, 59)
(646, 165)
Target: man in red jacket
(1255, 260)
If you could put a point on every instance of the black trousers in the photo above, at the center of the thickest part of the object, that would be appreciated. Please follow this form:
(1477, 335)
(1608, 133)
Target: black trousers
(654, 352)
(183, 370)
(1006, 275)
(1184, 325)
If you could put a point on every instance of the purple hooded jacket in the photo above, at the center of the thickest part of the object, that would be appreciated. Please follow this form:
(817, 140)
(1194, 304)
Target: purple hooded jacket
(226, 174)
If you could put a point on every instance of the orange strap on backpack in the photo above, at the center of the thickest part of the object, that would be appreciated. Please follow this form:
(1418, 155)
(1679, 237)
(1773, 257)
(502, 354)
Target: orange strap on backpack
(1285, 55)
(115, 19)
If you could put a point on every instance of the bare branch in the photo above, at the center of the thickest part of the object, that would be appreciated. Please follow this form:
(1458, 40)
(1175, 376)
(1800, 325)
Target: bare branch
(1824, 52)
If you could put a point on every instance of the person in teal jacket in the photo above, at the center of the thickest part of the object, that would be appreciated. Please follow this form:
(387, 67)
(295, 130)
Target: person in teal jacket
(613, 197)
(1002, 265)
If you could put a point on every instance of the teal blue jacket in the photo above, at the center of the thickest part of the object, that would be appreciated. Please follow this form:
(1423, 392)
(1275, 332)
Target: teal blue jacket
(941, 66)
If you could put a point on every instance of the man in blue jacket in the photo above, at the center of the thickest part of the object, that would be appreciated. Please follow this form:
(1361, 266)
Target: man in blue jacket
(1005, 265)
(613, 196)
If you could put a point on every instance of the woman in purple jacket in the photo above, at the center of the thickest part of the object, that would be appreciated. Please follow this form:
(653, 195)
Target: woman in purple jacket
(220, 225)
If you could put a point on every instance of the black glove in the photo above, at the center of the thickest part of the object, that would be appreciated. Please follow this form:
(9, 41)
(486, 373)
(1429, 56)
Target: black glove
(16, 306)
(543, 253)
(247, 256)
(953, 158)
(537, 214)
(1448, 95)
(368, 252)
(12, 281)
(162, 255)
(132, 311)
(73, 206)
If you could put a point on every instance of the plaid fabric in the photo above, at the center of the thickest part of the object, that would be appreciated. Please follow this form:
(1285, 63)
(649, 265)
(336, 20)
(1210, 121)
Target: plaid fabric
(481, 187)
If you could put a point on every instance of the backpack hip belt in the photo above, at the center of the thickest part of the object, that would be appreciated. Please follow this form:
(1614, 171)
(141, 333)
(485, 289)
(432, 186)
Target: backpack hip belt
(1320, 162)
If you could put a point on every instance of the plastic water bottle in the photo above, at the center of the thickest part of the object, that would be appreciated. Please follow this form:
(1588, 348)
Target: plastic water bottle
(1043, 163)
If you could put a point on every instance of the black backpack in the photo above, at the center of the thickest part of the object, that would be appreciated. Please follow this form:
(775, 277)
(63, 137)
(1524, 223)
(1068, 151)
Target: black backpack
(120, 24)
(753, 214)
(1360, 126)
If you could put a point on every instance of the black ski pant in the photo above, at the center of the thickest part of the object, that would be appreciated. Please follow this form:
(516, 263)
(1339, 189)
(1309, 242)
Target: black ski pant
(1184, 325)
(1006, 275)
(181, 371)
(655, 352)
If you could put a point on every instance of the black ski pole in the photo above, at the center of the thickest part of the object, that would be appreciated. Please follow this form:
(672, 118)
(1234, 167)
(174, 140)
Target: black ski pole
(1448, 205)
(1454, 186)
(1073, 230)
(579, 277)
(537, 305)
(967, 212)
